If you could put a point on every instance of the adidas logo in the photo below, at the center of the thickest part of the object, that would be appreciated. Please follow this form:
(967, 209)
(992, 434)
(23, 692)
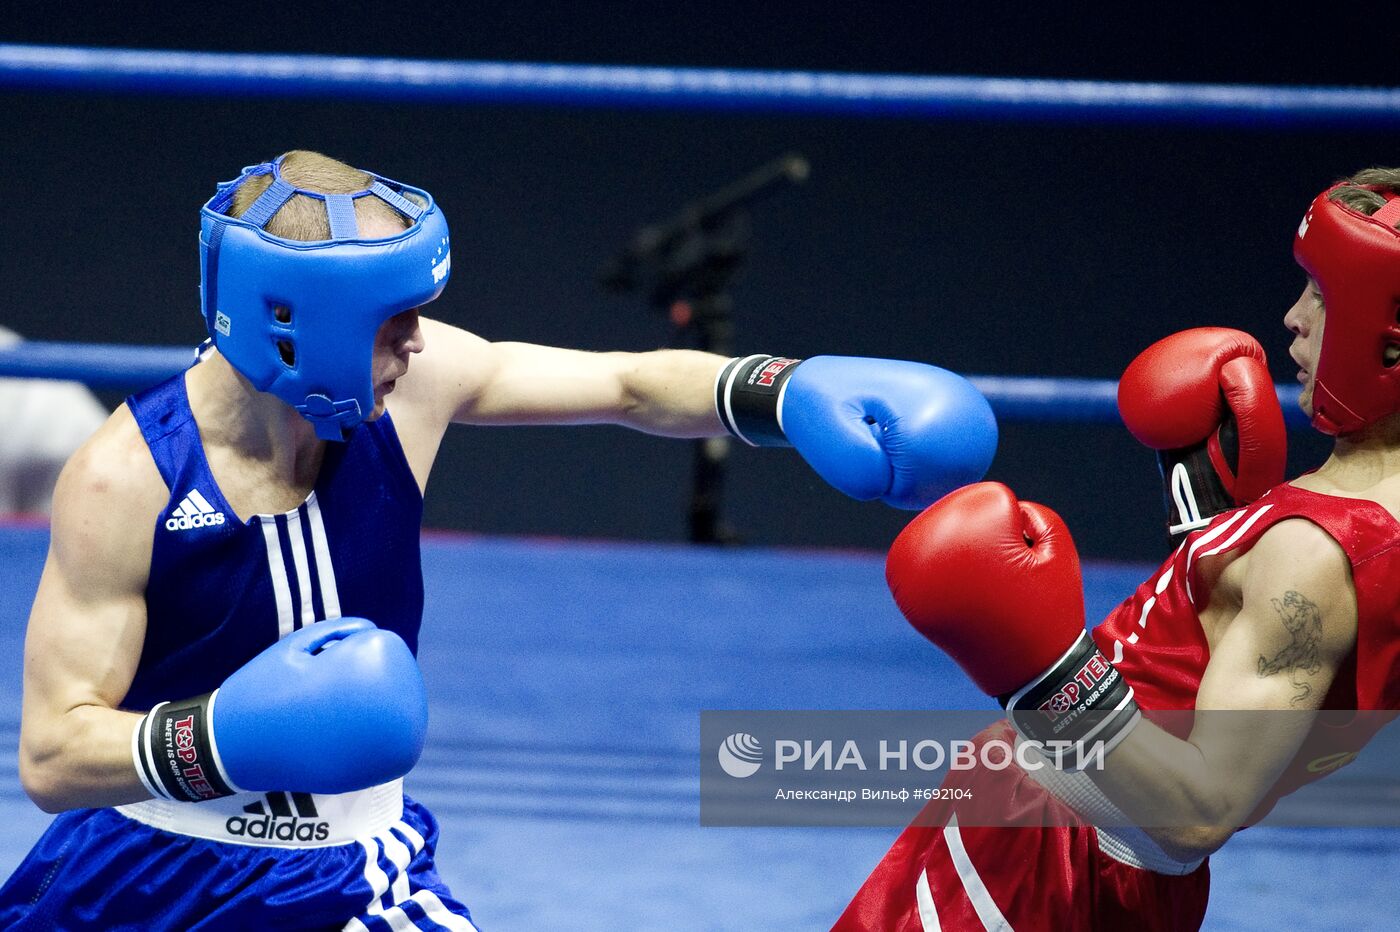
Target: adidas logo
(278, 821)
(194, 511)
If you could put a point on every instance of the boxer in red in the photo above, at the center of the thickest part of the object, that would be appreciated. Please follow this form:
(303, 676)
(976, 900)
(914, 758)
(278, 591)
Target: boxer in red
(1288, 598)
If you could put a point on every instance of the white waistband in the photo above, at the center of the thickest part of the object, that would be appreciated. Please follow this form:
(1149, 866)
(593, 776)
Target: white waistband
(1117, 837)
(278, 819)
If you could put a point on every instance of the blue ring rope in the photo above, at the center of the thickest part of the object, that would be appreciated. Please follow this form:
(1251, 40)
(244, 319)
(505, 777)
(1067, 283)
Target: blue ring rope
(99, 365)
(1013, 398)
(926, 96)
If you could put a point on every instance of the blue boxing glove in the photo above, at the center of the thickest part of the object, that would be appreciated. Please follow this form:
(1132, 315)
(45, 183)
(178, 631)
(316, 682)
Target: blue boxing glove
(336, 706)
(903, 432)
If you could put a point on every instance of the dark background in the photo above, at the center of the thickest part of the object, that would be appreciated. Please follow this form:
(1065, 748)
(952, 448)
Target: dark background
(1022, 249)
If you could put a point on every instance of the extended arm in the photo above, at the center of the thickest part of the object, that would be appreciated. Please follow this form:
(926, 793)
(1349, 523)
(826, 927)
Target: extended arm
(902, 432)
(463, 379)
(665, 392)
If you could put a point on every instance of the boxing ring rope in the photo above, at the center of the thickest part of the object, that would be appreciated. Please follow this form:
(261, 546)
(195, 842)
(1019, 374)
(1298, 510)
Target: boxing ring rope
(921, 96)
(1013, 398)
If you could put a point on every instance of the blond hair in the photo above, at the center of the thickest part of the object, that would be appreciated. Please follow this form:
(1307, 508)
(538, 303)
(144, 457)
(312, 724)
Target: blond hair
(304, 218)
(1366, 201)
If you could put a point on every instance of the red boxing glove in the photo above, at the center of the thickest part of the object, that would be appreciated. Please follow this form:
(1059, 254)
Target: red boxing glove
(1205, 401)
(995, 583)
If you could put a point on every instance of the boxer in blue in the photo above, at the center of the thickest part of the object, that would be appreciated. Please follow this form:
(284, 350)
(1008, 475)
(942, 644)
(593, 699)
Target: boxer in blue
(221, 697)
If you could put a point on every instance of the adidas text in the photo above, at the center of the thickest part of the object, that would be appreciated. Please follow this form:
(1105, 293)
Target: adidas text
(277, 829)
(185, 522)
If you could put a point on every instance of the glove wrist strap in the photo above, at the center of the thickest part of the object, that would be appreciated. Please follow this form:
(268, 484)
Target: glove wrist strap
(1198, 480)
(1080, 702)
(173, 749)
(749, 397)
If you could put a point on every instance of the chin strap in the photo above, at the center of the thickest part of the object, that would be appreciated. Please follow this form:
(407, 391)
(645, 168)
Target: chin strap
(333, 420)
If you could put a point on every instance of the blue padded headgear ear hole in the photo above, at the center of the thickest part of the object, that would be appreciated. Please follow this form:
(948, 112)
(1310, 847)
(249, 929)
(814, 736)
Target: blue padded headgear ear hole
(288, 351)
(282, 313)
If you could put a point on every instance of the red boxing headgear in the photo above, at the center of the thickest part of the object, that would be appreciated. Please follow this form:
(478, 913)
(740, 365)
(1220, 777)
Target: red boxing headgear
(1355, 260)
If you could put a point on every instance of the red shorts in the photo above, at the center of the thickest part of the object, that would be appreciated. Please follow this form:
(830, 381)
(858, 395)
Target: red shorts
(940, 875)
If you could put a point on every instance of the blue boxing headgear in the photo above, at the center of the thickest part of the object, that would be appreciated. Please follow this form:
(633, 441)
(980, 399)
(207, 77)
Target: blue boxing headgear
(298, 319)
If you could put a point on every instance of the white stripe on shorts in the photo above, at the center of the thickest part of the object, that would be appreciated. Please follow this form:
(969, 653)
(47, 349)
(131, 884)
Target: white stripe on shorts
(977, 892)
(928, 913)
(433, 909)
(400, 855)
(440, 914)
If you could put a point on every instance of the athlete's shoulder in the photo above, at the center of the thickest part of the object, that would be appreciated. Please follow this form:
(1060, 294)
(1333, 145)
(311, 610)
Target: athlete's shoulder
(1296, 555)
(454, 364)
(108, 496)
(115, 461)
(1298, 541)
(453, 369)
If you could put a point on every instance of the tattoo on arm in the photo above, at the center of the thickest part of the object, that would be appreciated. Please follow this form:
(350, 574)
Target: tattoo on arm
(1299, 659)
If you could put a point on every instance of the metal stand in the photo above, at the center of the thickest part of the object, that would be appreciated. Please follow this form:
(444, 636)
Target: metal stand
(685, 266)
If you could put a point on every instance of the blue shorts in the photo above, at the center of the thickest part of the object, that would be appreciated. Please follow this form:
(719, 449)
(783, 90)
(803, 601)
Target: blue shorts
(97, 869)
